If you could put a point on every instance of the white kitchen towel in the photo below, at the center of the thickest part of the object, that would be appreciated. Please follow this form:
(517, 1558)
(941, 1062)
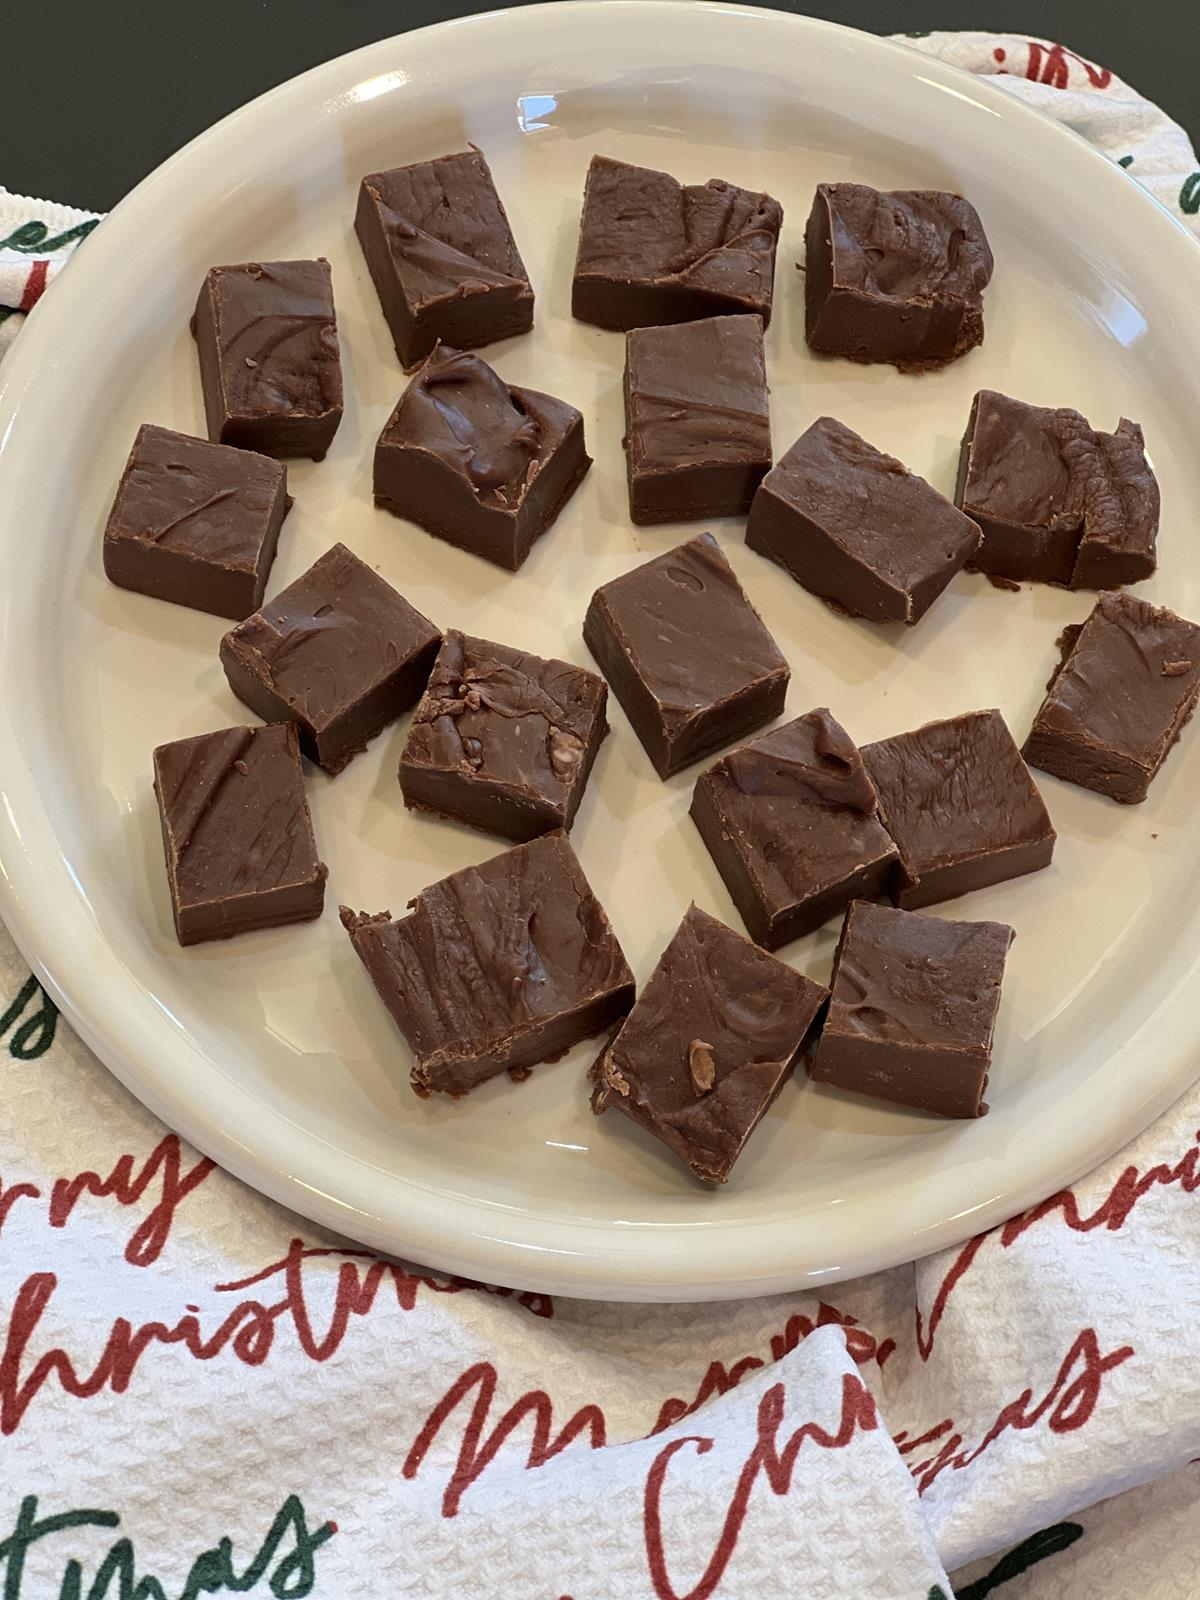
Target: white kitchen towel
(201, 1393)
(36, 238)
(1129, 129)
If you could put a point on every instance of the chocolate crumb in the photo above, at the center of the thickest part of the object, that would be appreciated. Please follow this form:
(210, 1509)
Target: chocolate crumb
(701, 1066)
(612, 1077)
(566, 752)
(1175, 669)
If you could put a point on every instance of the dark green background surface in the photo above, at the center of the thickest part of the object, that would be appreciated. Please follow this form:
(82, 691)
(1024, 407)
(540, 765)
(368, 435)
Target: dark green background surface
(95, 93)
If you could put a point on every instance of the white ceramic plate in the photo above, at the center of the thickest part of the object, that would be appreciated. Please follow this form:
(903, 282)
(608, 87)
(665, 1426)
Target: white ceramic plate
(272, 1052)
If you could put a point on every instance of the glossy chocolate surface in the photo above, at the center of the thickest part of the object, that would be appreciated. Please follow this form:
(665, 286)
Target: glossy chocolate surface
(858, 528)
(711, 1041)
(686, 654)
(338, 652)
(503, 740)
(1119, 699)
(697, 420)
(442, 255)
(895, 277)
(497, 967)
(483, 465)
(654, 251)
(196, 523)
(792, 823)
(1058, 501)
(237, 834)
(959, 802)
(270, 367)
(913, 1009)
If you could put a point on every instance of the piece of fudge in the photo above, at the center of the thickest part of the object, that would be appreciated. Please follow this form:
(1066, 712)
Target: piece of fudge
(1118, 701)
(654, 251)
(503, 740)
(711, 1041)
(237, 835)
(792, 823)
(896, 277)
(857, 528)
(196, 523)
(338, 652)
(497, 967)
(686, 654)
(697, 420)
(483, 465)
(270, 368)
(959, 802)
(1058, 501)
(913, 1009)
(442, 256)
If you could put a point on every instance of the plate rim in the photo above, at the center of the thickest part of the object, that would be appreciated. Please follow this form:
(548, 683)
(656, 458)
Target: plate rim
(620, 1266)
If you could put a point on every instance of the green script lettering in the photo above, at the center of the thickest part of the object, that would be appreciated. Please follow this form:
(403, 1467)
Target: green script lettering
(36, 1034)
(290, 1544)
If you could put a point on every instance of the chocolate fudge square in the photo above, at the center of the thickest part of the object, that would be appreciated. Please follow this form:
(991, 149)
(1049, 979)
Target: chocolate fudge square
(1058, 502)
(686, 654)
(497, 967)
(270, 368)
(196, 523)
(338, 652)
(442, 256)
(698, 427)
(913, 1010)
(236, 831)
(896, 277)
(959, 802)
(479, 463)
(792, 823)
(503, 740)
(857, 528)
(1123, 691)
(711, 1041)
(654, 251)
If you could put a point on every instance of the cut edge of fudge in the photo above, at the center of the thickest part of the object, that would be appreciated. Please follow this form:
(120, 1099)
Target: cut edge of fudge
(1110, 558)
